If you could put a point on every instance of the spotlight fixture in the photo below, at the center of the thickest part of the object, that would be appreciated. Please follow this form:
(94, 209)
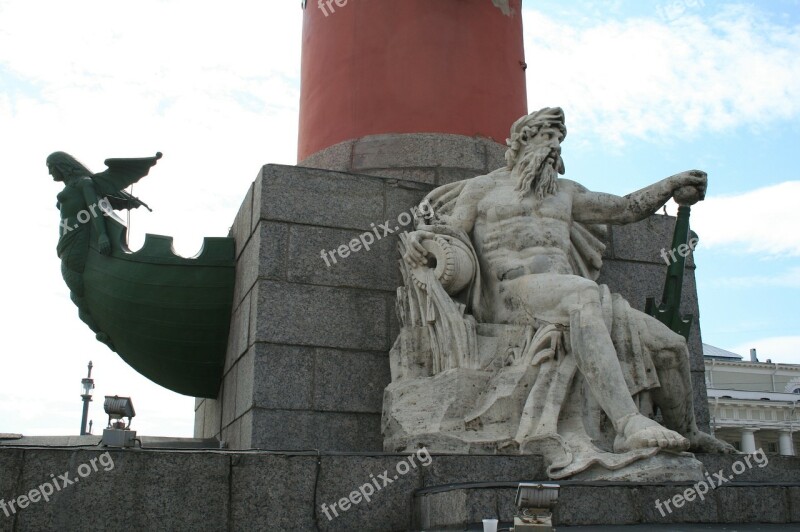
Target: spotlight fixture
(118, 434)
(535, 502)
(117, 408)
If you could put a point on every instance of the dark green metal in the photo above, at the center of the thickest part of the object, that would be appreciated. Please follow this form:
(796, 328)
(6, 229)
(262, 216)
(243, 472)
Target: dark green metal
(167, 316)
(668, 311)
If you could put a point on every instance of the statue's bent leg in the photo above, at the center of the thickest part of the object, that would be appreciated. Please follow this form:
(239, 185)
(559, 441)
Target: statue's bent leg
(674, 397)
(597, 360)
(576, 299)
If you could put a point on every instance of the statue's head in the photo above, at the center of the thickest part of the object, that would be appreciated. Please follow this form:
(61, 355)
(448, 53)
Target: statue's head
(63, 166)
(534, 150)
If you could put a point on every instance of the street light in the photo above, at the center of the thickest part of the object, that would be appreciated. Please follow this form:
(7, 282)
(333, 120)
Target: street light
(87, 386)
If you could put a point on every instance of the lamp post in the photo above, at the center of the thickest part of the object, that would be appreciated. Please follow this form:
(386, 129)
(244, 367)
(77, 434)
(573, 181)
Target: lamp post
(88, 385)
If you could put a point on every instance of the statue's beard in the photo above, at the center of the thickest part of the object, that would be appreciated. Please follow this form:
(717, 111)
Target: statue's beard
(535, 172)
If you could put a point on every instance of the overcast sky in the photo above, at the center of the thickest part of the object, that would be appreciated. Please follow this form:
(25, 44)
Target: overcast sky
(649, 88)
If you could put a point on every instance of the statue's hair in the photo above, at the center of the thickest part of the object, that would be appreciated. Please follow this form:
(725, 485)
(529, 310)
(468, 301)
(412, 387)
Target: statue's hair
(68, 165)
(527, 127)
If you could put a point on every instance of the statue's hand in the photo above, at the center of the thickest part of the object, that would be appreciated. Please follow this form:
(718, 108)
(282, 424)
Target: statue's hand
(415, 251)
(103, 244)
(689, 187)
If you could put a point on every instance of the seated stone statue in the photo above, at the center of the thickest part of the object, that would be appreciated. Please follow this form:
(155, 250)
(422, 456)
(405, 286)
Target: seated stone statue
(508, 345)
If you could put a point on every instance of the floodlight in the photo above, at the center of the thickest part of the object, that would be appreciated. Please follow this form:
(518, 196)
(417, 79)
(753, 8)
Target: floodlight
(117, 408)
(117, 433)
(535, 502)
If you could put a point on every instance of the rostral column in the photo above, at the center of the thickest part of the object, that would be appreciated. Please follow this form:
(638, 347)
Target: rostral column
(444, 79)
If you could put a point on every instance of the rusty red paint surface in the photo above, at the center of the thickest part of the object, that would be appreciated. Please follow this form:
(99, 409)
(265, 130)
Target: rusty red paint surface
(410, 66)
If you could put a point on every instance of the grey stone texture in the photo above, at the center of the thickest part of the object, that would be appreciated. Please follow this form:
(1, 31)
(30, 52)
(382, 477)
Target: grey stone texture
(344, 318)
(459, 507)
(11, 464)
(230, 491)
(579, 505)
(307, 357)
(143, 490)
(308, 429)
(613, 505)
(272, 492)
(794, 504)
(431, 158)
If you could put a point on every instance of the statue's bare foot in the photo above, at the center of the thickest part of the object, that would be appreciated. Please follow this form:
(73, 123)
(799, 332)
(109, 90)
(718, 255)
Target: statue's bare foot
(640, 432)
(700, 442)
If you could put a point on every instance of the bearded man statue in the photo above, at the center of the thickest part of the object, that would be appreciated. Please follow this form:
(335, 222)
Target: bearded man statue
(508, 345)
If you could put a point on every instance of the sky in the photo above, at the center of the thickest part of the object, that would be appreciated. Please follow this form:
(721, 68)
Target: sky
(649, 88)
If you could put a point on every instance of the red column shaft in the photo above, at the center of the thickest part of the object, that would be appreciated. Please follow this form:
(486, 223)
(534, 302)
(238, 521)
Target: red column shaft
(409, 66)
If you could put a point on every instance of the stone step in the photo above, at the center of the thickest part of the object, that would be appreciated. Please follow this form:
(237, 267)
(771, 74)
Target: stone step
(323, 491)
(613, 503)
(754, 491)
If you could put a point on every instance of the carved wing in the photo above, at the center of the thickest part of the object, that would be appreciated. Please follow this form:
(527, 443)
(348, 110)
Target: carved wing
(122, 173)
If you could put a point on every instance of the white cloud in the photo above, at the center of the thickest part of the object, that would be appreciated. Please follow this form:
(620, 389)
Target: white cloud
(780, 349)
(764, 221)
(649, 79)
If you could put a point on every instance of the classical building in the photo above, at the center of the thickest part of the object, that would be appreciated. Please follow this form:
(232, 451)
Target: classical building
(753, 404)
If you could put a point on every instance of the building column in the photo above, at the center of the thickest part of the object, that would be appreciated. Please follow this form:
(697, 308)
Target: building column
(373, 82)
(785, 444)
(748, 440)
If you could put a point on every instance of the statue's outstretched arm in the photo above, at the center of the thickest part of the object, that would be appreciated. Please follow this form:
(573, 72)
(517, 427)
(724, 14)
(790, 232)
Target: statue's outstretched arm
(598, 207)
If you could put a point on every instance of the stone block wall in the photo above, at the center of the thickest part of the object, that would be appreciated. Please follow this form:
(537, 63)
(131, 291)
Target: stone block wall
(307, 358)
(228, 491)
(431, 158)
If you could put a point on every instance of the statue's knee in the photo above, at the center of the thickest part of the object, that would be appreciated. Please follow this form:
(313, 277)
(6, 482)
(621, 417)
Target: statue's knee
(670, 358)
(589, 293)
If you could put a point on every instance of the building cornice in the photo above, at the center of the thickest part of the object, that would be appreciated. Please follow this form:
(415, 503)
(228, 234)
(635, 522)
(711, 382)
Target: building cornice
(774, 398)
(766, 366)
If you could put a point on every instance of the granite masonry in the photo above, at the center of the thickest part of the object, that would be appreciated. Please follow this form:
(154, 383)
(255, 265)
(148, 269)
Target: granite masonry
(232, 491)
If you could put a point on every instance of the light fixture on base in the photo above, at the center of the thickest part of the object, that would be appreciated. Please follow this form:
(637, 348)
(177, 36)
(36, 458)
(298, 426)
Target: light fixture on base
(535, 502)
(118, 434)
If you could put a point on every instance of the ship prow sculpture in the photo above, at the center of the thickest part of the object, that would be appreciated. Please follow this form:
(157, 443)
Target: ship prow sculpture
(166, 316)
